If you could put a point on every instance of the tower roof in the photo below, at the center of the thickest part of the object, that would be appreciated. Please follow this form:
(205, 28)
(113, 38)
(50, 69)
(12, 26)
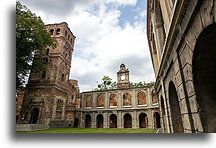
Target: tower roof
(123, 69)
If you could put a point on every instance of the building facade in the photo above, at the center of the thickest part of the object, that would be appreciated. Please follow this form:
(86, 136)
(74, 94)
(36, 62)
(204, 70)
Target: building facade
(50, 96)
(124, 107)
(182, 37)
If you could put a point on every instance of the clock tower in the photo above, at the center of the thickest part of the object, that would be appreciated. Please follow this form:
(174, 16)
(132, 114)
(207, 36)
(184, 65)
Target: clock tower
(123, 77)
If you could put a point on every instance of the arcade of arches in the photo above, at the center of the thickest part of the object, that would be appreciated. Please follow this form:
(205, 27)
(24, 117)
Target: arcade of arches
(183, 57)
(125, 121)
(120, 108)
(193, 110)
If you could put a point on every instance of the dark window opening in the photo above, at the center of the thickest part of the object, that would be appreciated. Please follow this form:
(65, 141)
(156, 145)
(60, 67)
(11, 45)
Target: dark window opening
(62, 78)
(34, 116)
(47, 51)
(43, 74)
(51, 31)
(65, 33)
(58, 31)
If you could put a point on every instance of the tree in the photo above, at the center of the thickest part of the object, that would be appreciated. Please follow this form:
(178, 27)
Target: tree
(140, 84)
(31, 35)
(106, 84)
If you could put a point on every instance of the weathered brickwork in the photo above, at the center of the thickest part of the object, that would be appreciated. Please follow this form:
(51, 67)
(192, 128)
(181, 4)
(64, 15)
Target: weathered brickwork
(50, 96)
(181, 37)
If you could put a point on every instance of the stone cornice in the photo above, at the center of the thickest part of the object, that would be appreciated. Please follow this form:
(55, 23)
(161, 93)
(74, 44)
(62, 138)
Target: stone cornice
(171, 36)
(119, 109)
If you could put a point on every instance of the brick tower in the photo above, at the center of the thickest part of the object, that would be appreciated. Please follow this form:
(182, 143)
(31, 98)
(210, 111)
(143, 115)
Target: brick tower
(123, 77)
(49, 92)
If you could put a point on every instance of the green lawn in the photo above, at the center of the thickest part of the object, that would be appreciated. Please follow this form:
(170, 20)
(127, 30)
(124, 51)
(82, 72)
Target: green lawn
(92, 130)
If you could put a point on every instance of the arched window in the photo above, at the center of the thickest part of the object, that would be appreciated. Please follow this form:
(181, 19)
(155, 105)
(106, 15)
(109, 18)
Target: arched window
(89, 101)
(141, 96)
(68, 37)
(113, 100)
(100, 101)
(59, 106)
(154, 97)
(126, 99)
(58, 31)
(51, 31)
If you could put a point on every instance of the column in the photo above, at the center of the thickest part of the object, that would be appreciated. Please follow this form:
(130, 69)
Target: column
(106, 120)
(93, 120)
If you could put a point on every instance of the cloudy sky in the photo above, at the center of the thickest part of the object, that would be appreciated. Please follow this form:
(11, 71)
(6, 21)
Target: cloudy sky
(108, 33)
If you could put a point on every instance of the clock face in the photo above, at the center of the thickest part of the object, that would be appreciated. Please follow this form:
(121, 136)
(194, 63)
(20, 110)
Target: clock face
(123, 77)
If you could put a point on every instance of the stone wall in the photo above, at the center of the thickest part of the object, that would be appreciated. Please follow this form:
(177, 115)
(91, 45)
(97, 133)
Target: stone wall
(190, 35)
(123, 112)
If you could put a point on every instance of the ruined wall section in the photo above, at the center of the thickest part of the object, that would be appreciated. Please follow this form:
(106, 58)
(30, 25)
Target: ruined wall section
(50, 91)
(119, 102)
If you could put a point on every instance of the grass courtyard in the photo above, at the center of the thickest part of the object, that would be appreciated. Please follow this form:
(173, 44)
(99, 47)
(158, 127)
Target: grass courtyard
(91, 130)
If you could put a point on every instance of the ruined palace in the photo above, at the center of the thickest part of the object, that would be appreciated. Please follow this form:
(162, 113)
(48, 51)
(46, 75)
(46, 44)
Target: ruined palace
(52, 99)
(123, 107)
(182, 37)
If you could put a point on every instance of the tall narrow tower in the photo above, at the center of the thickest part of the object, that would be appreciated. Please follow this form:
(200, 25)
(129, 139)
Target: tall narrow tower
(123, 77)
(49, 91)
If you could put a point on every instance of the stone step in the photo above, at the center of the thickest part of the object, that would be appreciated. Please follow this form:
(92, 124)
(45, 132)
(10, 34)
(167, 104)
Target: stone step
(31, 127)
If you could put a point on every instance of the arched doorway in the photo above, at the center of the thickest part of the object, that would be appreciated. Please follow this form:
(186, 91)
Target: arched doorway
(175, 109)
(87, 121)
(127, 121)
(157, 120)
(76, 122)
(99, 121)
(143, 120)
(113, 121)
(204, 60)
(34, 116)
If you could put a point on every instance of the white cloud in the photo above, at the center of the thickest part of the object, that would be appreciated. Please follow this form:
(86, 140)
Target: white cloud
(110, 45)
(122, 2)
(102, 45)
